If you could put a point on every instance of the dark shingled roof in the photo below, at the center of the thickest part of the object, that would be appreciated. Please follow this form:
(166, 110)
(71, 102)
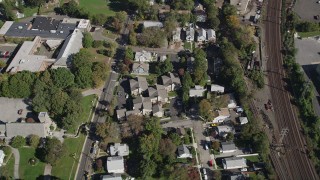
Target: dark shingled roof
(45, 23)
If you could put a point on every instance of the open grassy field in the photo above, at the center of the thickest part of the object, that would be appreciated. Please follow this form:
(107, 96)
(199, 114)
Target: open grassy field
(66, 167)
(28, 171)
(97, 7)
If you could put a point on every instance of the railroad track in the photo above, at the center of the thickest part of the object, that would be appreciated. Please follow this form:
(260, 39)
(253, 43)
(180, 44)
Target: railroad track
(293, 163)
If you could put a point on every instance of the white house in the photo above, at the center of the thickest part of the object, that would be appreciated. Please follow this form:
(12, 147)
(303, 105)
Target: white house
(190, 34)
(176, 35)
(234, 163)
(115, 164)
(228, 147)
(197, 91)
(243, 120)
(183, 152)
(143, 56)
(223, 114)
(147, 24)
(211, 35)
(202, 35)
(119, 149)
(2, 155)
(217, 88)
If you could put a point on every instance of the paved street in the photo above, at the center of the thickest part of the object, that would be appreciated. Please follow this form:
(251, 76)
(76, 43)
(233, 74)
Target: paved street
(86, 160)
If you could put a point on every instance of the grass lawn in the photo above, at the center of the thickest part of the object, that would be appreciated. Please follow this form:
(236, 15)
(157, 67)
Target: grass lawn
(309, 34)
(26, 170)
(8, 169)
(188, 45)
(110, 34)
(252, 158)
(97, 7)
(30, 11)
(172, 94)
(98, 57)
(67, 166)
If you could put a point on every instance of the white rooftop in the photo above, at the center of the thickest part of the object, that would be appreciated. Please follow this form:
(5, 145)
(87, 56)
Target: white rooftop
(83, 23)
(147, 24)
(234, 163)
(217, 88)
(72, 45)
(5, 27)
(115, 164)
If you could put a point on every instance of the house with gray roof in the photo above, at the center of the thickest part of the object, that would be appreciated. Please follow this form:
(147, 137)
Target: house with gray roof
(183, 152)
(143, 56)
(202, 35)
(138, 85)
(158, 94)
(157, 110)
(197, 91)
(140, 68)
(115, 164)
(121, 114)
(228, 147)
(119, 149)
(171, 82)
(190, 34)
(234, 163)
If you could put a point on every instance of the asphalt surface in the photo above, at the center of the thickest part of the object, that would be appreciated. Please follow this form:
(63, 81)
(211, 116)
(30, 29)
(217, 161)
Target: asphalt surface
(291, 160)
(86, 159)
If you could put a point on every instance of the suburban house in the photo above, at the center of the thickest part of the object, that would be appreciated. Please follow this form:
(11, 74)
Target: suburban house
(121, 114)
(171, 82)
(222, 115)
(199, 12)
(142, 105)
(211, 35)
(115, 164)
(234, 163)
(216, 88)
(138, 85)
(224, 130)
(158, 94)
(183, 152)
(228, 147)
(2, 155)
(148, 24)
(202, 35)
(140, 68)
(197, 91)
(176, 35)
(157, 110)
(243, 120)
(119, 149)
(111, 177)
(190, 34)
(143, 56)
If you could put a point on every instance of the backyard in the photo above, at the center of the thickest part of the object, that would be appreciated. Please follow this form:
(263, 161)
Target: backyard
(26, 170)
(98, 6)
(308, 34)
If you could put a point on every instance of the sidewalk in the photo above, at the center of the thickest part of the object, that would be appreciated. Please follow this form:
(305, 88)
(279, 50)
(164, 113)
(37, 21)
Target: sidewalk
(16, 162)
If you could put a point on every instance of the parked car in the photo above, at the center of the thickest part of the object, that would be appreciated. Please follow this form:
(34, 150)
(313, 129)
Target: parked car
(204, 171)
(213, 124)
(20, 111)
(206, 146)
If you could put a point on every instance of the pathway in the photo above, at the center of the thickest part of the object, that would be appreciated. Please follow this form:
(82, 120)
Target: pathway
(16, 162)
(92, 91)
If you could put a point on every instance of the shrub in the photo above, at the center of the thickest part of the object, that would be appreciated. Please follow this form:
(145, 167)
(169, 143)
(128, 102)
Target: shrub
(18, 142)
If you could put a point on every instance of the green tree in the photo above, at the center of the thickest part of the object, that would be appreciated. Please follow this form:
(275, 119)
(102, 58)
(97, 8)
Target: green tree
(18, 142)
(129, 54)
(53, 151)
(230, 136)
(132, 38)
(201, 66)
(167, 147)
(33, 141)
(19, 85)
(87, 40)
(97, 44)
(82, 69)
(99, 73)
(205, 109)
(166, 66)
(152, 37)
(176, 139)
(2, 64)
(58, 100)
(257, 78)
(62, 77)
(35, 3)
(183, 4)
(6, 11)
(99, 19)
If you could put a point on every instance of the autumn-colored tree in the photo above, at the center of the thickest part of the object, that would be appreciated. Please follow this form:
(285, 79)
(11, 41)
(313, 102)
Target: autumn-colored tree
(205, 109)
(136, 123)
(233, 21)
(216, 145)
(99, 164)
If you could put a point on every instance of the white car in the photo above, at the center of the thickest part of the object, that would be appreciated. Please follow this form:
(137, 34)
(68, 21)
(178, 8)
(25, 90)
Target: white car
(204, 171)
(318, 2)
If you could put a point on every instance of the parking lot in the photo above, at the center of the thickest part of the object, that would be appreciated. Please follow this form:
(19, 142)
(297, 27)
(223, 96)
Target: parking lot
(307, 9)
(9, 109)
(308, 50)
(6, 48)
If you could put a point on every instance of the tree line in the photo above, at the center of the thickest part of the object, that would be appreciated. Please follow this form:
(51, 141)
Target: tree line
(56, 91)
